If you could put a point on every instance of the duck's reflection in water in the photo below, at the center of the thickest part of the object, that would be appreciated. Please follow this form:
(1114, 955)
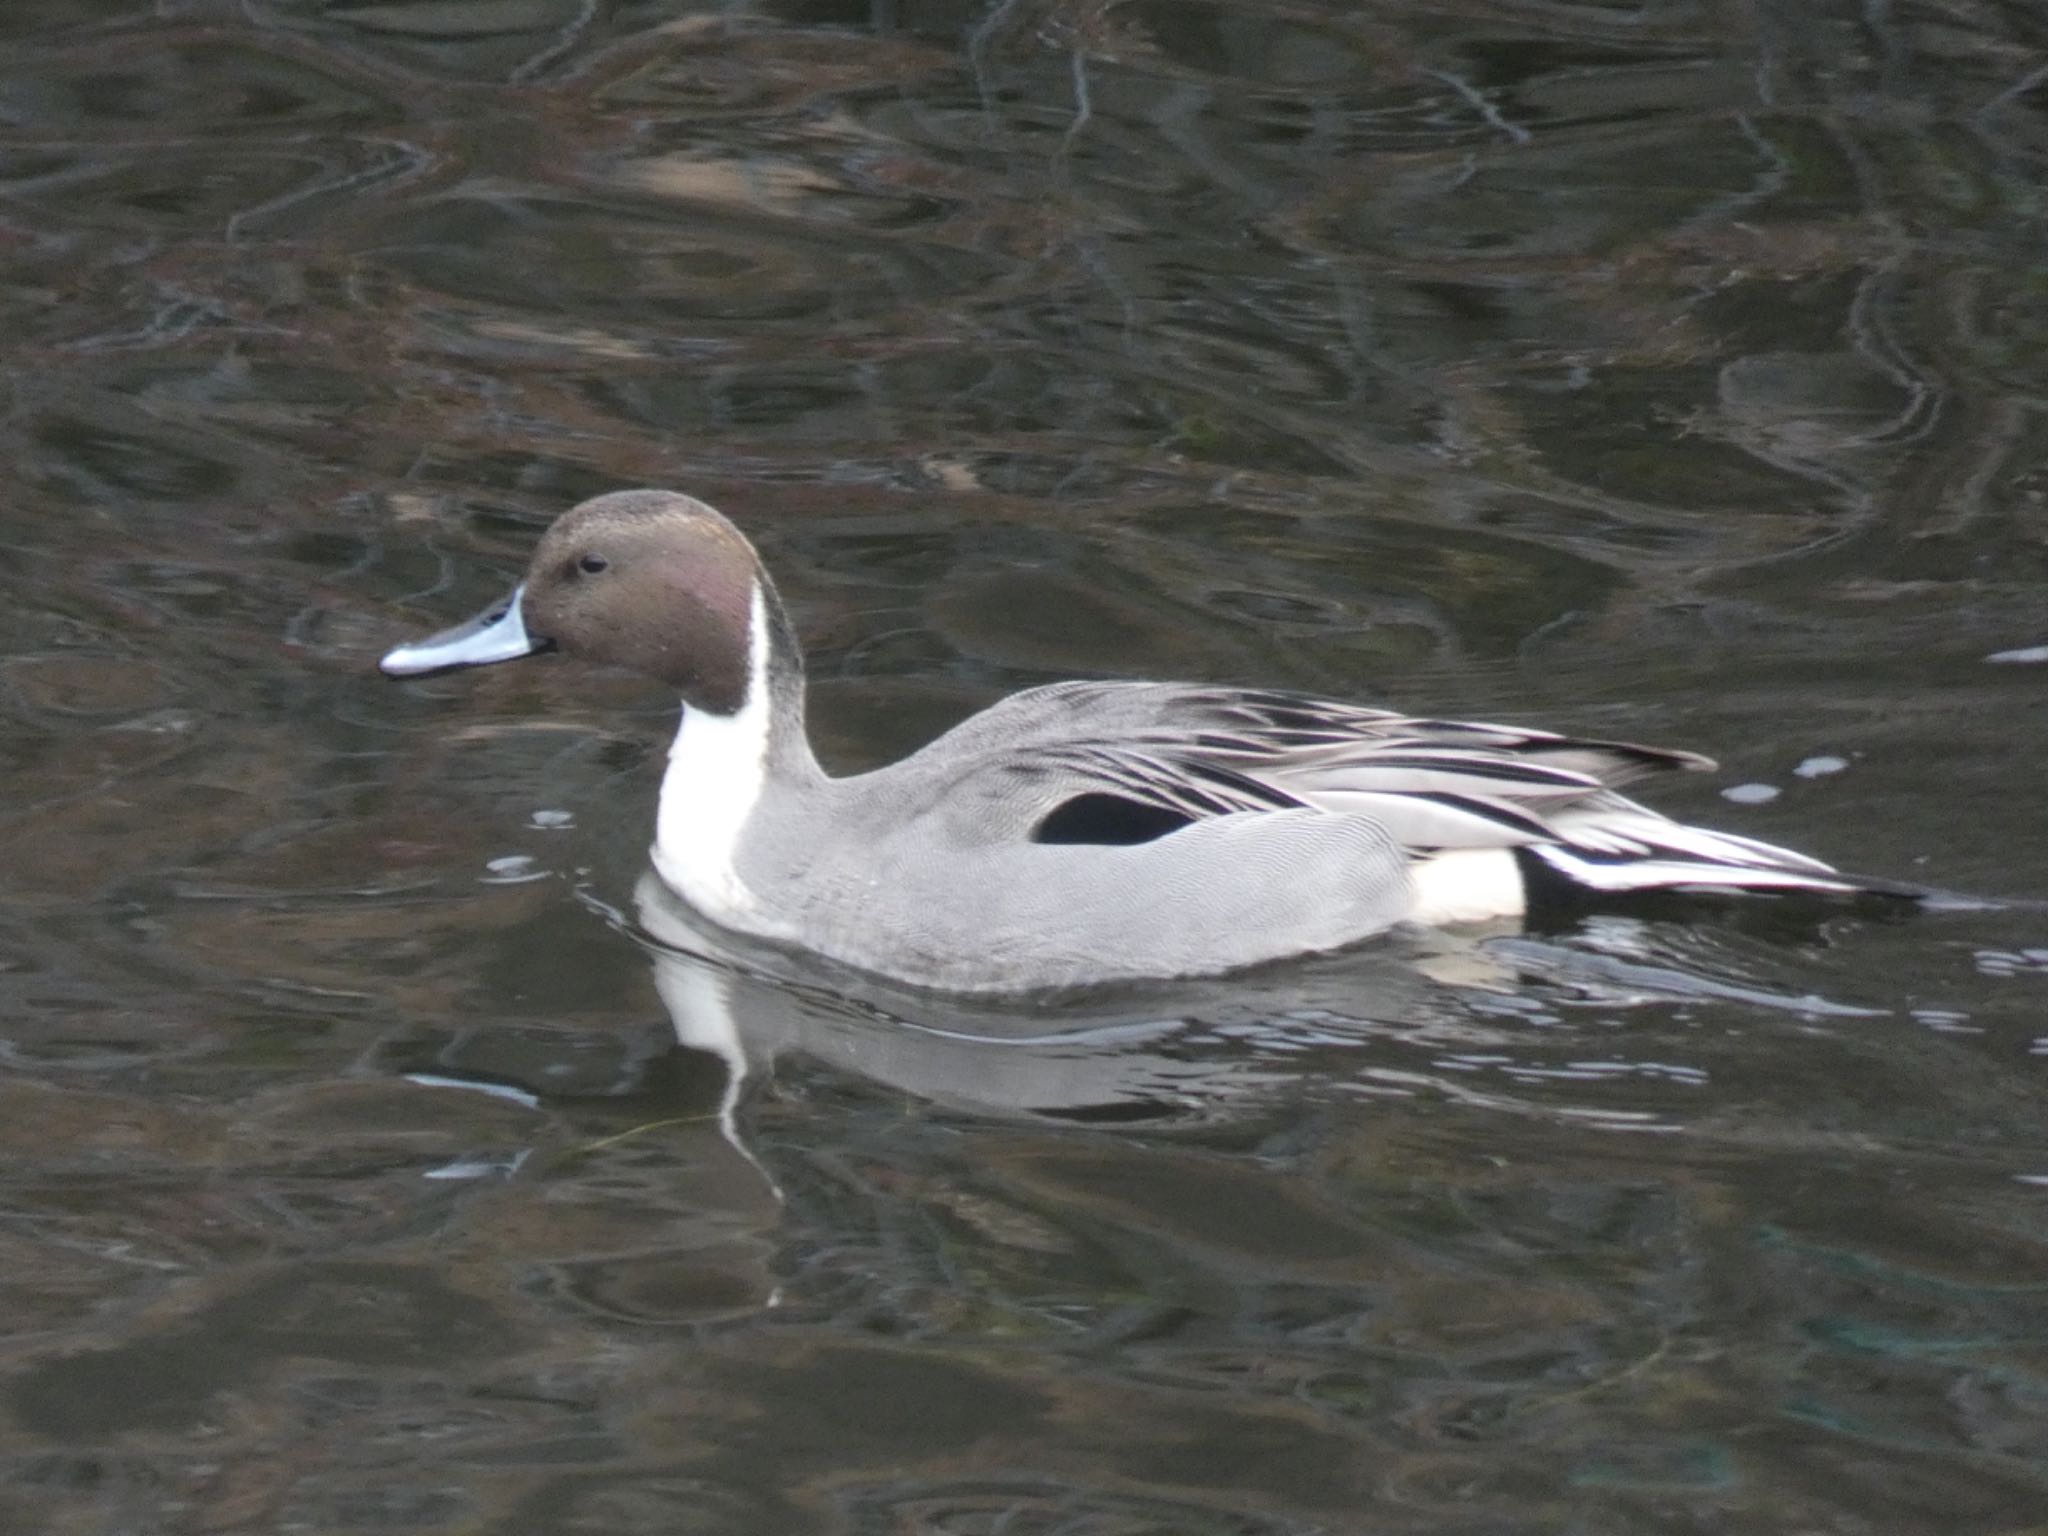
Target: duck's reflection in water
(662, 1198)
(1197, 1052)
(1149, 1055)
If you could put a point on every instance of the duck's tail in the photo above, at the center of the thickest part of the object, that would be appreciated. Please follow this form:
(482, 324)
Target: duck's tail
(1617, 855)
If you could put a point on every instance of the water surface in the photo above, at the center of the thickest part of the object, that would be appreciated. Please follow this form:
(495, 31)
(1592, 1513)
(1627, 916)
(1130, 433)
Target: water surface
(382, 1156)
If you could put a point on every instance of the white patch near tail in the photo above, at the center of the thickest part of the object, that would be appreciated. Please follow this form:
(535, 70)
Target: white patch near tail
(1467, 885)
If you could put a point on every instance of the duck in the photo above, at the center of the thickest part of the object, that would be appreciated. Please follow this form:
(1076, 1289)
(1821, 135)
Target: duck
(1079, 832)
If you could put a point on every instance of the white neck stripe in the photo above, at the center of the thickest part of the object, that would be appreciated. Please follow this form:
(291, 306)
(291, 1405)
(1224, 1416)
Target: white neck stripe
(716, 770)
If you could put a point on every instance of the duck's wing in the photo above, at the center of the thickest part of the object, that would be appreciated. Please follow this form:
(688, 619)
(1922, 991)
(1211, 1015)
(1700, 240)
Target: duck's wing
(1209, 751)
(1279, 730)
(1129, 762)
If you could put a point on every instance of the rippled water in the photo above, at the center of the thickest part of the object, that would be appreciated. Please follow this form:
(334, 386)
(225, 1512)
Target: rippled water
(381, 1155)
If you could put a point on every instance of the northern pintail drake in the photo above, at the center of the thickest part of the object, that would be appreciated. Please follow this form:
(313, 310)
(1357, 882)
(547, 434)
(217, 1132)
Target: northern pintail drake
(1079, 832)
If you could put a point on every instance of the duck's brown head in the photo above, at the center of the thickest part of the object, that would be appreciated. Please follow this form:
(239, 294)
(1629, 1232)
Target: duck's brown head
(650, 580)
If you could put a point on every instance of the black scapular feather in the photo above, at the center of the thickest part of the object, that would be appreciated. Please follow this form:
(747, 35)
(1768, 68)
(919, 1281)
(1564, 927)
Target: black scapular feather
(1108, 819)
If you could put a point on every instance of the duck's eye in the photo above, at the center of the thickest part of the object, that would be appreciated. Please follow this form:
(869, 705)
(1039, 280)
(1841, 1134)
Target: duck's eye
(590, 565)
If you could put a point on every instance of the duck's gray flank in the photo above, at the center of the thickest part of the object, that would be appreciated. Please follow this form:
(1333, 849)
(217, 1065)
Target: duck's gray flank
(1082, 831)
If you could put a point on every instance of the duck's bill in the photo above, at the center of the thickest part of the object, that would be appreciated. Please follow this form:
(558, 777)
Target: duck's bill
(496, 634)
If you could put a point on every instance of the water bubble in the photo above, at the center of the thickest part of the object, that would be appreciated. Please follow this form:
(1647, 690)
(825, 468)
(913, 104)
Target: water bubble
(1820, 767)
(513, 869)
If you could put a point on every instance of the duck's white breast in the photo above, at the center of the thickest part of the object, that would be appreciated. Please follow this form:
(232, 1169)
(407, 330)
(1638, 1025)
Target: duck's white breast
(717, 767)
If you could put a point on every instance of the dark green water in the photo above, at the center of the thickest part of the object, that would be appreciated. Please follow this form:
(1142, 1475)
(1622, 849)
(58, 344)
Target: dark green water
(1664, 370)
